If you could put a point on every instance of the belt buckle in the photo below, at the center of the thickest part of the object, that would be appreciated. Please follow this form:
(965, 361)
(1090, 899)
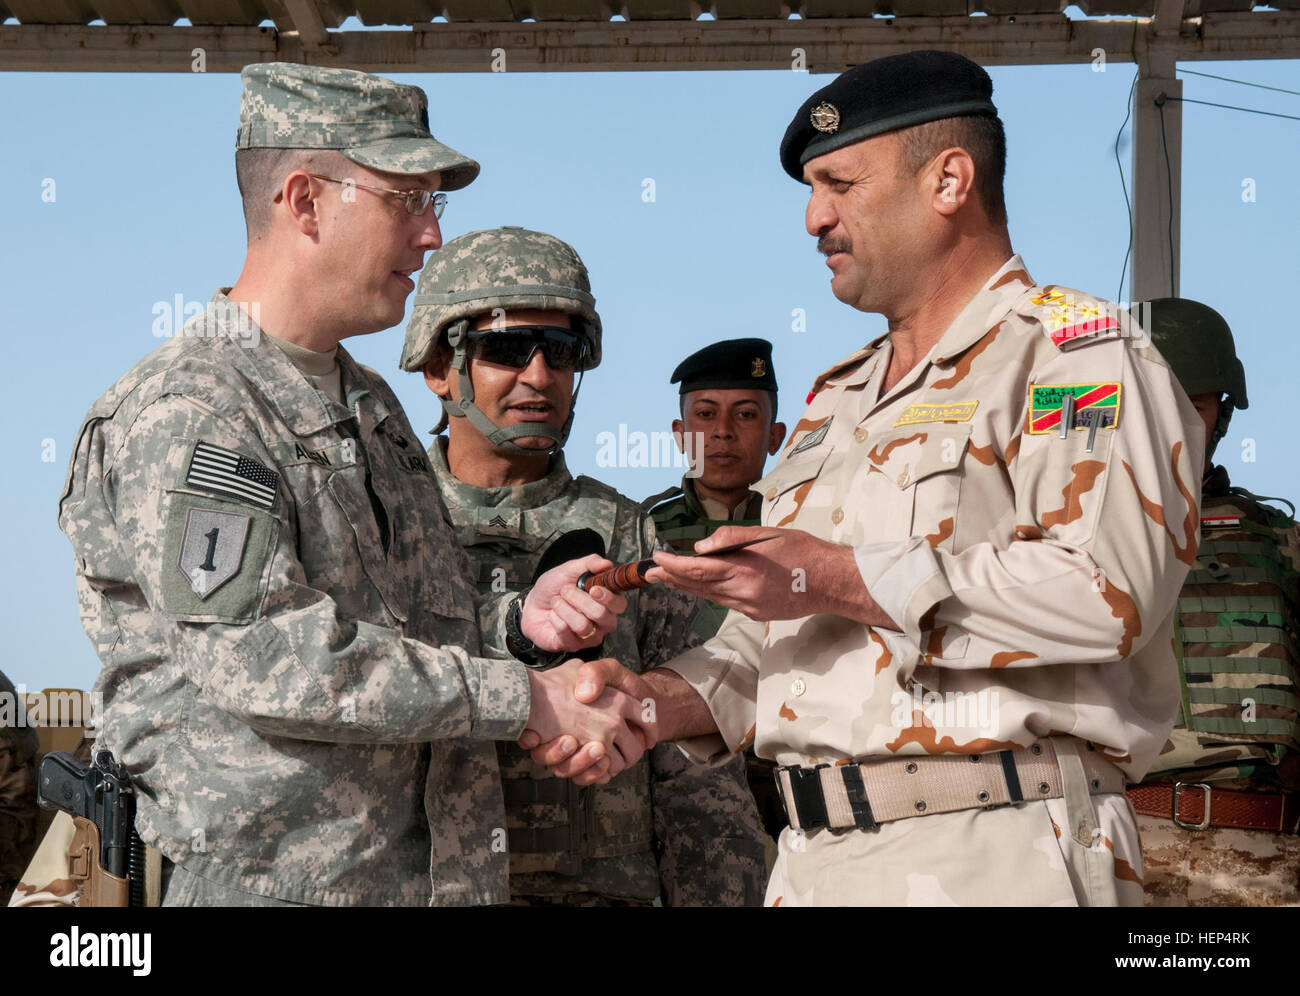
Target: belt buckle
(1205, 817)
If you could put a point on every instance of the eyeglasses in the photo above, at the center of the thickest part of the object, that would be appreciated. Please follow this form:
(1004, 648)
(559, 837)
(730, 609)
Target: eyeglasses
(515, 346)
(417, 201)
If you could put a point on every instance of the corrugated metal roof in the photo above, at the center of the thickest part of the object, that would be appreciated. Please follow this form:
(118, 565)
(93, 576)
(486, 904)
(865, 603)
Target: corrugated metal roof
(250, 13)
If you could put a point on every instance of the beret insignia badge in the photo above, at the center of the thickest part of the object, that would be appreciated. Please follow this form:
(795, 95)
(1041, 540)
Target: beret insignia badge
(759, 368)
(825, 117)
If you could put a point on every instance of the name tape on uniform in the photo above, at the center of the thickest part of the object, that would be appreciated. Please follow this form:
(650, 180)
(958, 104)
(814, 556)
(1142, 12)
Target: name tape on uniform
(953, 411)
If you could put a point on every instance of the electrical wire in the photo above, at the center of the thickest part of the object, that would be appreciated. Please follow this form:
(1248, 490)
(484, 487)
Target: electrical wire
(1128, 205)
(1169, 186)
(1228, 79)
(1232, 107)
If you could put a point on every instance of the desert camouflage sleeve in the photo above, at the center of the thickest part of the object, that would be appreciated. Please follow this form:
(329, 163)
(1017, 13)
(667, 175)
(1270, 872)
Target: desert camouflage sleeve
(1102, 539)
(724, 671)
(710, 840)
(275, 653)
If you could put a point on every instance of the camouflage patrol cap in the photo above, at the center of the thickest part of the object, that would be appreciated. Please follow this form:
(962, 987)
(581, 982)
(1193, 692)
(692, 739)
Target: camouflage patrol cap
(1196, 342)
(373, 121)
(507, 267)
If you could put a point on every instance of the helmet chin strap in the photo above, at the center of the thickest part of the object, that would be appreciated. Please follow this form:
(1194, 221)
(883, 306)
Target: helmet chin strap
(502, 436)
(1220, 427)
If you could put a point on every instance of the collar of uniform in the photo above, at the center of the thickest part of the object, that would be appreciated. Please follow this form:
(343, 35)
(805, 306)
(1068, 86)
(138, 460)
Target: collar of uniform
(984, 310)
(302, 408)
(704, 508)
(1215, 483)
(855, 367)
(531, 495)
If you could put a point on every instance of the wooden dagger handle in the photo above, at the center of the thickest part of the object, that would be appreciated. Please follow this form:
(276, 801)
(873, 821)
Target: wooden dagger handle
(624, 577)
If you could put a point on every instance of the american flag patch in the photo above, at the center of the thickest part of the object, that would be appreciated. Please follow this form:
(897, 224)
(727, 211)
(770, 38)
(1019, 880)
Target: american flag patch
(228, 473)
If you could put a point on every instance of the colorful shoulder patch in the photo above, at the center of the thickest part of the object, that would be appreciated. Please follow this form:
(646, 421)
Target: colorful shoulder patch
(1073, 318)
(232, 474)
(1093, 406)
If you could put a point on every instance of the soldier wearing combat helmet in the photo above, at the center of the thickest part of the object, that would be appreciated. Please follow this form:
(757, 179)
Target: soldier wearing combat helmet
(1220, 810)
(503, 325)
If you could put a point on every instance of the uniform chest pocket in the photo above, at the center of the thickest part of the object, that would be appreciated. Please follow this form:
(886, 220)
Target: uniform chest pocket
(786, 490)
(916, 471)
(339, 546)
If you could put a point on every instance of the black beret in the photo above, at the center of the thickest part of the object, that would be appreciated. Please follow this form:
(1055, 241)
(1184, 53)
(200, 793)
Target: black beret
(733, 364)
(898, 91)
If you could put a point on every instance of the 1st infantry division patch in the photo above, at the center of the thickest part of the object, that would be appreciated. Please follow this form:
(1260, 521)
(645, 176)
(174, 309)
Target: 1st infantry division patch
(212, 548)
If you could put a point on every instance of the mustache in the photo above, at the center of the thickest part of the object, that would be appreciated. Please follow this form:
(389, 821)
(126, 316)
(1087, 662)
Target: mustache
(827, 245)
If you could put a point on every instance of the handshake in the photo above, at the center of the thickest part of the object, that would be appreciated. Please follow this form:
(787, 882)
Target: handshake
(590, 720)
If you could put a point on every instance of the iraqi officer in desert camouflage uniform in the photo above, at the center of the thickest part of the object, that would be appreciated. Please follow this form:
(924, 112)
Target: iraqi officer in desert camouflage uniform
(1220, 810)
(292, 666)
(502, 320)
(960, 643)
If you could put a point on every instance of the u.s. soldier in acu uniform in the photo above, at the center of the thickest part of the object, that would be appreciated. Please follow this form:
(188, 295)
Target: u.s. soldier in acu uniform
(502, 321)
(1220, 810)
(291, 657)
(959, 645)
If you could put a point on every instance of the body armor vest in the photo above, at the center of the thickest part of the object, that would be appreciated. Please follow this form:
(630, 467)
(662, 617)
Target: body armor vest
(1237, 646)
(556, 830)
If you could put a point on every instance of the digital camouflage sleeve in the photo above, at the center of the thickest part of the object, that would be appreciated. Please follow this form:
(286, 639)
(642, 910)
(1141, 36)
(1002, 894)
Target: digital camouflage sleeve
(290, 649)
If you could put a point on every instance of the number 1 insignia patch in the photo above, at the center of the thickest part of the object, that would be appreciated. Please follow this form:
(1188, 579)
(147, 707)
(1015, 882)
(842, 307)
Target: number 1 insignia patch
(212, 548)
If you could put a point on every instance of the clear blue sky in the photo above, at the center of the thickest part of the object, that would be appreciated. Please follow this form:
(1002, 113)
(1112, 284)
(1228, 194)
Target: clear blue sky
(146, 208)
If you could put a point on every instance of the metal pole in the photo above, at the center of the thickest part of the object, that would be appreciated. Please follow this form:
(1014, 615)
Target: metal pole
(1157, 177)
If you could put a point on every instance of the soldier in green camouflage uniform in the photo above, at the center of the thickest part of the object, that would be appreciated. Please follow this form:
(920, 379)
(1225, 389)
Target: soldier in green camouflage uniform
(728, 404)
(682, 518)
(513, 309)
(18, 812)
(292, 666)
(728, 425)
(1220, 808)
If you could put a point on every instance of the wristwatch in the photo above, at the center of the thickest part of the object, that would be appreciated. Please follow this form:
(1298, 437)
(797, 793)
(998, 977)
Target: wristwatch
(519, 646)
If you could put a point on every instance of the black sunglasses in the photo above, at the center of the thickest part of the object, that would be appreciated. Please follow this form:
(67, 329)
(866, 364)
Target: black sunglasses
(515, 346)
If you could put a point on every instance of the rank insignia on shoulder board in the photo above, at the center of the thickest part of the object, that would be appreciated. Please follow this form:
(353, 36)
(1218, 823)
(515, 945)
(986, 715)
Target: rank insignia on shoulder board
(1067, 317)
(232, 474)
(1086, 406)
